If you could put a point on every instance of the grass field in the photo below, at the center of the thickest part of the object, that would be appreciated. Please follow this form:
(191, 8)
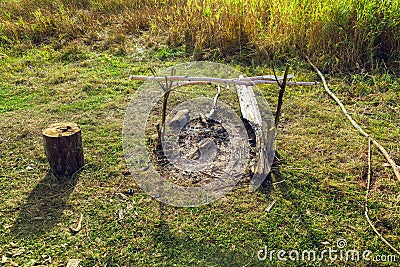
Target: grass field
(345, 34)
(319, 192)
(72, 61)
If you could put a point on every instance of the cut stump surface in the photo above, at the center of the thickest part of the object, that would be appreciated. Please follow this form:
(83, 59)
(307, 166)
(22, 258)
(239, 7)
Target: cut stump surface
(63, 148)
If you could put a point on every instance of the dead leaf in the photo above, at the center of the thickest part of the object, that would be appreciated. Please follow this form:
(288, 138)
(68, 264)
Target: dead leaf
(73, 263)
(78, 226)
(12, 263)
(121, 214)
(29, 168)
(122, 196)
(129, 207)
(350, 227)
(46, 259)
(17, 252)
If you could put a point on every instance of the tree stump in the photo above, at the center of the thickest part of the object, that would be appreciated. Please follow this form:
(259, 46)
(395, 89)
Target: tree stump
(63, 147)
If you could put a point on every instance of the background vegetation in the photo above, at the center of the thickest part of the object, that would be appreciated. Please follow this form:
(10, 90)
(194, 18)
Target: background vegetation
(71, 60)
(336, 34)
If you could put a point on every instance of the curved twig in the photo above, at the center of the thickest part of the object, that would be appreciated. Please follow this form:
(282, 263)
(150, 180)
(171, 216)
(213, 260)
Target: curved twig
(370, 139)
(366, 202)
(381, 148)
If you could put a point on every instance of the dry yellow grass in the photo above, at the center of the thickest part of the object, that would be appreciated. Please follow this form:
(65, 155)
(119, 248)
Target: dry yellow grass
(335, 34)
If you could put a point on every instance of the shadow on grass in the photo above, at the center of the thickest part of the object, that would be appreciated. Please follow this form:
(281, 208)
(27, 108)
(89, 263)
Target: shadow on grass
(44, 206)
(184, 251)
(298, 204)
(268, 184)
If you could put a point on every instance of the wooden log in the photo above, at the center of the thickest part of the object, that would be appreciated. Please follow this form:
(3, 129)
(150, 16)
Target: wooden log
(63, 147)
(251, 113)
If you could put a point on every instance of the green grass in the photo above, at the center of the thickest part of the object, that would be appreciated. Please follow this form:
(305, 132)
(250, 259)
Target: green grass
(319, 186)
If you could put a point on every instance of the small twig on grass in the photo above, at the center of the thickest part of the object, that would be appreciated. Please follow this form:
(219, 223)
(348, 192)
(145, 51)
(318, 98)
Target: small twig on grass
(268, 209)
(116, 190)
(279, 182)
(381, 148)
(370, 140)
(366, 202)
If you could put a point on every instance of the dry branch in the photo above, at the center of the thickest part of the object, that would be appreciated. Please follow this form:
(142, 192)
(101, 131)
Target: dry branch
(187, 80)
(366, 202)
(381, 148)
(271, 77)
(281, 92)
(251, 113)
(370, 139)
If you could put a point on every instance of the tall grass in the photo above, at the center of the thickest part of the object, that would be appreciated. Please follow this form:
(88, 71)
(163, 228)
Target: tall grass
(337, 34)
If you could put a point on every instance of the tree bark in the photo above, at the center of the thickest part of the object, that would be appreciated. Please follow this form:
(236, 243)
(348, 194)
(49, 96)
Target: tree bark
(251, 113)
(63, 148)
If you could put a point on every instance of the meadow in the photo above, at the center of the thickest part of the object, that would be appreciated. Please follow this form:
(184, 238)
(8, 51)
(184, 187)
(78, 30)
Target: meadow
(71, 60)
(345, 34)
